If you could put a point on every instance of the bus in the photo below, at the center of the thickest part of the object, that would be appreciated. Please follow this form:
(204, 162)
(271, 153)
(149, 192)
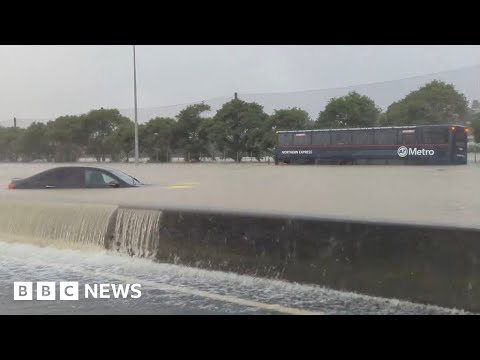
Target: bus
(425, 144)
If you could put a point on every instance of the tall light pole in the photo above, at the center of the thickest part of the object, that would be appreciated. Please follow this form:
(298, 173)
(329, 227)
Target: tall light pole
(136, 112)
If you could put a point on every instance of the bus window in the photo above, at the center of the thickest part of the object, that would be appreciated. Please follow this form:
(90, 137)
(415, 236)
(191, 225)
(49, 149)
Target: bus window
(435, 135)
(302, 139)
(407, 137)
(341, 137)
(321, 138)
(386, 137)
(362, 137)
(285, 138)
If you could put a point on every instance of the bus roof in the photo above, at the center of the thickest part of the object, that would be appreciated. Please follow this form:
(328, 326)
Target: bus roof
(372, 128)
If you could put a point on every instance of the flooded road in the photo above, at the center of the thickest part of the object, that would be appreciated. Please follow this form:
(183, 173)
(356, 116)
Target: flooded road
(442, 195)
(172, 289)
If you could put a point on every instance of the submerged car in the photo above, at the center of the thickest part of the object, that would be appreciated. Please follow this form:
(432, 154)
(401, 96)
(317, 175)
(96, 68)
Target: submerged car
(76, 177)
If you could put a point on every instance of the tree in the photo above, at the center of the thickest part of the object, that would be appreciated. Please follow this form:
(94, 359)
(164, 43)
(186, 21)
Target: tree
(434, 103)
(157, 138)
(238, 128)
(121, 142)
(10, 139)
(35, 143)
(284, 119)
(65, 138)
(475, 123)
(290, 119)
(188, 133)
(352, 110)
(98, 125)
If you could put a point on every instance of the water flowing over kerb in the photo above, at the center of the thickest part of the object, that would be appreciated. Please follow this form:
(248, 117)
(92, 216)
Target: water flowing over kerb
(433, 265)
(136, 232)
(61, 225)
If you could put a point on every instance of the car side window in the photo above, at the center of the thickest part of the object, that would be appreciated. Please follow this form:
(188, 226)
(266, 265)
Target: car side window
(94, 178)
(97, 178)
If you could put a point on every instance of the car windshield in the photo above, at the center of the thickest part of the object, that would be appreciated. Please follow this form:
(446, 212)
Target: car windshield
(125, 177)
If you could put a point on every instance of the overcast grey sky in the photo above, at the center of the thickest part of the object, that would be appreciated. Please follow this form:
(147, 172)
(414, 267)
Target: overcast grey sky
(49, 81)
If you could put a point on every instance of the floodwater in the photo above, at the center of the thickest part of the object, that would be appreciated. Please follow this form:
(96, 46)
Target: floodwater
(172, 289)
(443, 195)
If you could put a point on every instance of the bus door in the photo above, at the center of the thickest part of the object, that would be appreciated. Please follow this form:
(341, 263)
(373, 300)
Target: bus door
(459, 145)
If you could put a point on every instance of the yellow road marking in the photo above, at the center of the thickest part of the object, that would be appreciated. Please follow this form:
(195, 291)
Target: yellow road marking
(183, 185)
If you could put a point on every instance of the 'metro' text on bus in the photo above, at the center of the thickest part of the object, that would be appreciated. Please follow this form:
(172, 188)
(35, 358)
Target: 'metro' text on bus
(426, 144)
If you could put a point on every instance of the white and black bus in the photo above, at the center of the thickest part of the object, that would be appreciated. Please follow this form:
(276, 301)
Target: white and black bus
(425, 144)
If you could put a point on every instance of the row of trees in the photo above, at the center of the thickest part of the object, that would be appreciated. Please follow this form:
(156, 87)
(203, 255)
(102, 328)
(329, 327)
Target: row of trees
(239, 127)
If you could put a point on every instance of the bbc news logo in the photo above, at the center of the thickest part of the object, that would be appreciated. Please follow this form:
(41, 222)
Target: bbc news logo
(70, 290)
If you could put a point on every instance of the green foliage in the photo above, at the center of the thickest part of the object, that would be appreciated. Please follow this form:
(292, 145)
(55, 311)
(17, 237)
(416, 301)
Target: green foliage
(189, 132)
(157, 138)
(34, 143)
(434, 103)
(284, 119)
(475, 124)
(238, 128)
(99, 126)
(66, 134)
(352, 110)
(10, 147)
(290, 119)
(121, 143)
